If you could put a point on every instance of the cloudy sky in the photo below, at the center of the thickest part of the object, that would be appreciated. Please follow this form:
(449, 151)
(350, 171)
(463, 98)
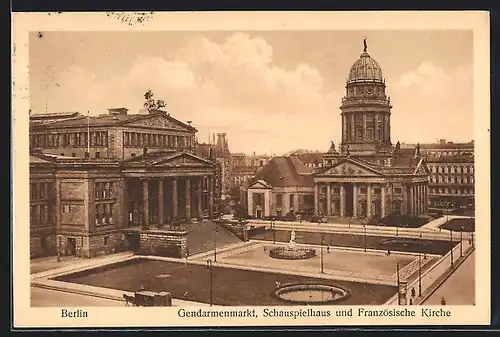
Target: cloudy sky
(271, 92)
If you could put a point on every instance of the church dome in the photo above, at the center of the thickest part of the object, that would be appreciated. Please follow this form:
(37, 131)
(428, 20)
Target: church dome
(365, 69)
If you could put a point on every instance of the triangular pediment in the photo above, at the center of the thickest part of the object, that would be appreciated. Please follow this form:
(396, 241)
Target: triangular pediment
(348, 168)
(422, 169)
(160, 121)
(260, 184)
(181, 160)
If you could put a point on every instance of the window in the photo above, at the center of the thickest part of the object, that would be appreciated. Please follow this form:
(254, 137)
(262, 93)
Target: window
(106, 240)
(66, 209)
(98, 155)
(73, 154)
(376, 190)
(62, 154)
(362, 190)
(398, 190)
(279, 200)
(292, 200)
(87, 155)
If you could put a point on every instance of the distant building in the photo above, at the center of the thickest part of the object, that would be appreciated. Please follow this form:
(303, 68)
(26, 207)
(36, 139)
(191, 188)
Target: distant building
(283, 186)
(451, 181)
(368, 176)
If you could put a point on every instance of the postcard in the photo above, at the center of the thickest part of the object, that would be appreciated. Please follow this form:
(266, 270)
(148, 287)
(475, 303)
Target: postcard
(250, 169)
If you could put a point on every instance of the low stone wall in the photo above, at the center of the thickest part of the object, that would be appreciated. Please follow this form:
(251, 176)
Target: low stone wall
(238, 228)
(163, 243)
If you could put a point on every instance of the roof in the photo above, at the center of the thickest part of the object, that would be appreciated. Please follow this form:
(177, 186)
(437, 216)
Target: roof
(450, 159)
(53, 115)
(311, 157)
(365, 69)
(285, 172)
(440, 146)
(109, 120)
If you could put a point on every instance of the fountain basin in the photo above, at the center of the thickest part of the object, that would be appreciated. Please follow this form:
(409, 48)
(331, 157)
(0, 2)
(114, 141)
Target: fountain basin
(396, 243)
(311, 293)
(292, 253)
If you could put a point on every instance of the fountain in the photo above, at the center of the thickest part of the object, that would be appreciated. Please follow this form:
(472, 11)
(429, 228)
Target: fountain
(291, 251)
(311, 293)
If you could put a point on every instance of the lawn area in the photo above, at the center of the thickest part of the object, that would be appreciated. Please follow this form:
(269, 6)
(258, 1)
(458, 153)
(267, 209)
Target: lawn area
(230, 286)
(353, 240)
(455, 225)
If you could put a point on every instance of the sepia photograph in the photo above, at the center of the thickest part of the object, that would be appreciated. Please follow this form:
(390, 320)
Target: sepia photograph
(258, 173)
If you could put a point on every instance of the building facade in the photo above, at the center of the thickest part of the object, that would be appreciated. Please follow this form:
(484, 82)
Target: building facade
(451, 181)
(96, 180)
(282, 187)
(369, 177)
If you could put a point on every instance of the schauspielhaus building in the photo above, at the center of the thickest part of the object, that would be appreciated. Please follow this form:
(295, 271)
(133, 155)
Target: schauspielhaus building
(96, 182)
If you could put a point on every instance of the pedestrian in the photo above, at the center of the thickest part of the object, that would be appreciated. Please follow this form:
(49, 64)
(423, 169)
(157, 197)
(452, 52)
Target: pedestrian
(58, 257)
(443, 301)
(142, 287)
(470, 241)
(328, 249)
(411, 301)
(388, 252)
(265, 249)
(412, 292)
(277, 284)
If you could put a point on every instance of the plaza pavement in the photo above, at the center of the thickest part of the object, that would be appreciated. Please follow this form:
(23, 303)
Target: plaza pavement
(430, 231)
(45, 268)
(459, 288)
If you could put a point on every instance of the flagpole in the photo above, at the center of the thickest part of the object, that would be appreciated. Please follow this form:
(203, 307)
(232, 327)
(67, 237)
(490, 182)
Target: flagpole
(88, 133)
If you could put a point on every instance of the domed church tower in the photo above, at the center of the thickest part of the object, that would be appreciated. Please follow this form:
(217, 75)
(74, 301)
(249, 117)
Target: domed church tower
(366, 110)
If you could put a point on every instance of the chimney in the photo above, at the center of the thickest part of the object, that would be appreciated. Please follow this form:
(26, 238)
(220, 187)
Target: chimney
(442, 141)
(118, 111)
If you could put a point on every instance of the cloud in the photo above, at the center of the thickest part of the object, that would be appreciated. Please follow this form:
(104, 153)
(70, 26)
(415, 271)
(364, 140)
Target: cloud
(432, 102)
(231, 87)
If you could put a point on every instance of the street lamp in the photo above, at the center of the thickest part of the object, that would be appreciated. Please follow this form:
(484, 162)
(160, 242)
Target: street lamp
(274, 231)
(209, 267)
(397, 274)
(364, 222)
(322, 242)
(215, 241)
(419, 274)
(451, 252)
(461, 250)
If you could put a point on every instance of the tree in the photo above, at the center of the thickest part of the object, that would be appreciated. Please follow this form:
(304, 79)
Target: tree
(151, 103)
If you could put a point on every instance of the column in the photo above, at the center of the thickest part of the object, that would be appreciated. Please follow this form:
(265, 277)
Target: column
(188, 200)
(354, 200)
(328, 199)
(426, 198)
(344, 128)
(145, 203)
(199, 197)
(342, 200)
(364, 129)
(369, 201)
(316, 199)
(382, 200)
(417, 199)
(211, 187)
(160, 201)
(352, 128)
(175, 201)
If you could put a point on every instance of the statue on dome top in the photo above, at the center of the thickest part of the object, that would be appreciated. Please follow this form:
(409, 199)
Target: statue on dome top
(364, 44)
(332, 147)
